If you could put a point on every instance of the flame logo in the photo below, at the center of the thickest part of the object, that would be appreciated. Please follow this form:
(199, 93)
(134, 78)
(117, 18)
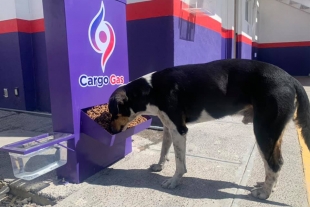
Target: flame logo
(101, 36)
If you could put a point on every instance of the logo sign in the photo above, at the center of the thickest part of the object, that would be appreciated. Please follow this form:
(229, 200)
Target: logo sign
(102, 39)
(101, 36)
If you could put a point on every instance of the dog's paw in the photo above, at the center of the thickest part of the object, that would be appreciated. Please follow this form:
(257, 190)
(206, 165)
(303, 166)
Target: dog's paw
(156, 167)
(260, 193)
(261, 184)
(170, 183)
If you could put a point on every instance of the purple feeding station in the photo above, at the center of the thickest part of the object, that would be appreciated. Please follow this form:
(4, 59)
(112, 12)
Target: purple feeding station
(87, 57)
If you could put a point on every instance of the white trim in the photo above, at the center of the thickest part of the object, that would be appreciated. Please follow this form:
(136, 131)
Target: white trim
(217, 18)
(246, 35)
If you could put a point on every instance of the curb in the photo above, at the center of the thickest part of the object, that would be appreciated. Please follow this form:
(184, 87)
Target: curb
(306, 162)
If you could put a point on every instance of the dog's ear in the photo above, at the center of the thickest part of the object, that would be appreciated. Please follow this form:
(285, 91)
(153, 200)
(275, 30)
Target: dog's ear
(119, 97)
(113, 105)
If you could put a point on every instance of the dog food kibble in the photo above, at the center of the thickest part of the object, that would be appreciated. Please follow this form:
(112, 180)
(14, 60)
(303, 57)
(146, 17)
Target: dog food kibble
(101, 115)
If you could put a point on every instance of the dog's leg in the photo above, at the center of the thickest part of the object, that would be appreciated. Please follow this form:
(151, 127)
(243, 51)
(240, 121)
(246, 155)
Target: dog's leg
(248, 115)
(269, 142)
(261, 184)
(263, 190)
(178, 131)
(179, 144)
(166, 144)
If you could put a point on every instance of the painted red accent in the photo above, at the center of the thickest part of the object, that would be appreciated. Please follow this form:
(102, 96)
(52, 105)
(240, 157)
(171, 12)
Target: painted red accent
(244, 39)
(38, 25)
(160, 8)
(149, 9)
(110, 46)
(7, 26)
(198, 18)
(20, 25)
(227, 33)
(284, 44)
(255, 44)
(24, 26)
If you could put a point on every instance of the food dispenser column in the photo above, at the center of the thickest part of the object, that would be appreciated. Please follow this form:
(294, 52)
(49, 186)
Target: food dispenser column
(87, 60)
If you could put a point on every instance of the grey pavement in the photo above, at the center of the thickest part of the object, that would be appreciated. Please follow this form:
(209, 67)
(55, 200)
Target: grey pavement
(222, 161)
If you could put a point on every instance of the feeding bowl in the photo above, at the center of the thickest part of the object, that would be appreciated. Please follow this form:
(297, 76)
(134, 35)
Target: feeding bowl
(93, 129)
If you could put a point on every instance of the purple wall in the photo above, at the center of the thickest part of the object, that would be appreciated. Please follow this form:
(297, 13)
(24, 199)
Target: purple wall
(244, 51)
(11, 71)
(294, 60)
(200, 45)
(226, 50)
(23, 65)
(27, 70)
(255, 50)
(157, 43)
(42, 92)
(150, 45)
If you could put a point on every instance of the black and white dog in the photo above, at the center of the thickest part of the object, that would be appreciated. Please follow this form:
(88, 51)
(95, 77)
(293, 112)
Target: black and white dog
(263, 93)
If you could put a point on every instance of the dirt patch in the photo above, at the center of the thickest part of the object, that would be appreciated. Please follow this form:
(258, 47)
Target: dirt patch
(9, 200)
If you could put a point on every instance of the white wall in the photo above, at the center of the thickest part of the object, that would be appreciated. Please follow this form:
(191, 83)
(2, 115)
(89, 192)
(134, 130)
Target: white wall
(230, 14)
(213, 6)
(7, 9)
(36, 9)
(223, 13)
(279, 22)
(227, 13)
(21, 9)
(218, 10)
(247, 28)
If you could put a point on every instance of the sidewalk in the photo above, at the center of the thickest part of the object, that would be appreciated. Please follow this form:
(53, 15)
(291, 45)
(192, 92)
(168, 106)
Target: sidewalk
(222, 161)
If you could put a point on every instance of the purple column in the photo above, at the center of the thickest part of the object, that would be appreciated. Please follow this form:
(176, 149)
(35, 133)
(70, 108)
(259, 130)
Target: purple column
(86, 47)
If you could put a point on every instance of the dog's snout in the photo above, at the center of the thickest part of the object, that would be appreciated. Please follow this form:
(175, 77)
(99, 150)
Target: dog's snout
(114, 129)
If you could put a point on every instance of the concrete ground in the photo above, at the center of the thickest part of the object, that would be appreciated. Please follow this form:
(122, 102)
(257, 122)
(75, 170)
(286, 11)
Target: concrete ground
(222, 161)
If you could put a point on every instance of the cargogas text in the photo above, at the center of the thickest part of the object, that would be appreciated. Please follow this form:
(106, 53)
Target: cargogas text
(100, 81)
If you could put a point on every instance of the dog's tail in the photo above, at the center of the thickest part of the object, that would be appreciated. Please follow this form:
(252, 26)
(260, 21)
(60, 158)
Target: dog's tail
(302, 113)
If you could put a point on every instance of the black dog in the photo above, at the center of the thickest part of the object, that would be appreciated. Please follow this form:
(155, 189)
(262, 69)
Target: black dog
(263, 93)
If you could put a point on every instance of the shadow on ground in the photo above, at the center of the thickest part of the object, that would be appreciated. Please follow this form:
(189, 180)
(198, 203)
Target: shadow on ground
(6, 171)
(191, 187)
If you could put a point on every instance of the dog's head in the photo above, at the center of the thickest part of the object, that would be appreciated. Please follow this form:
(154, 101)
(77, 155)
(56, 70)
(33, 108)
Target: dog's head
(119, 109)
(126, 101)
